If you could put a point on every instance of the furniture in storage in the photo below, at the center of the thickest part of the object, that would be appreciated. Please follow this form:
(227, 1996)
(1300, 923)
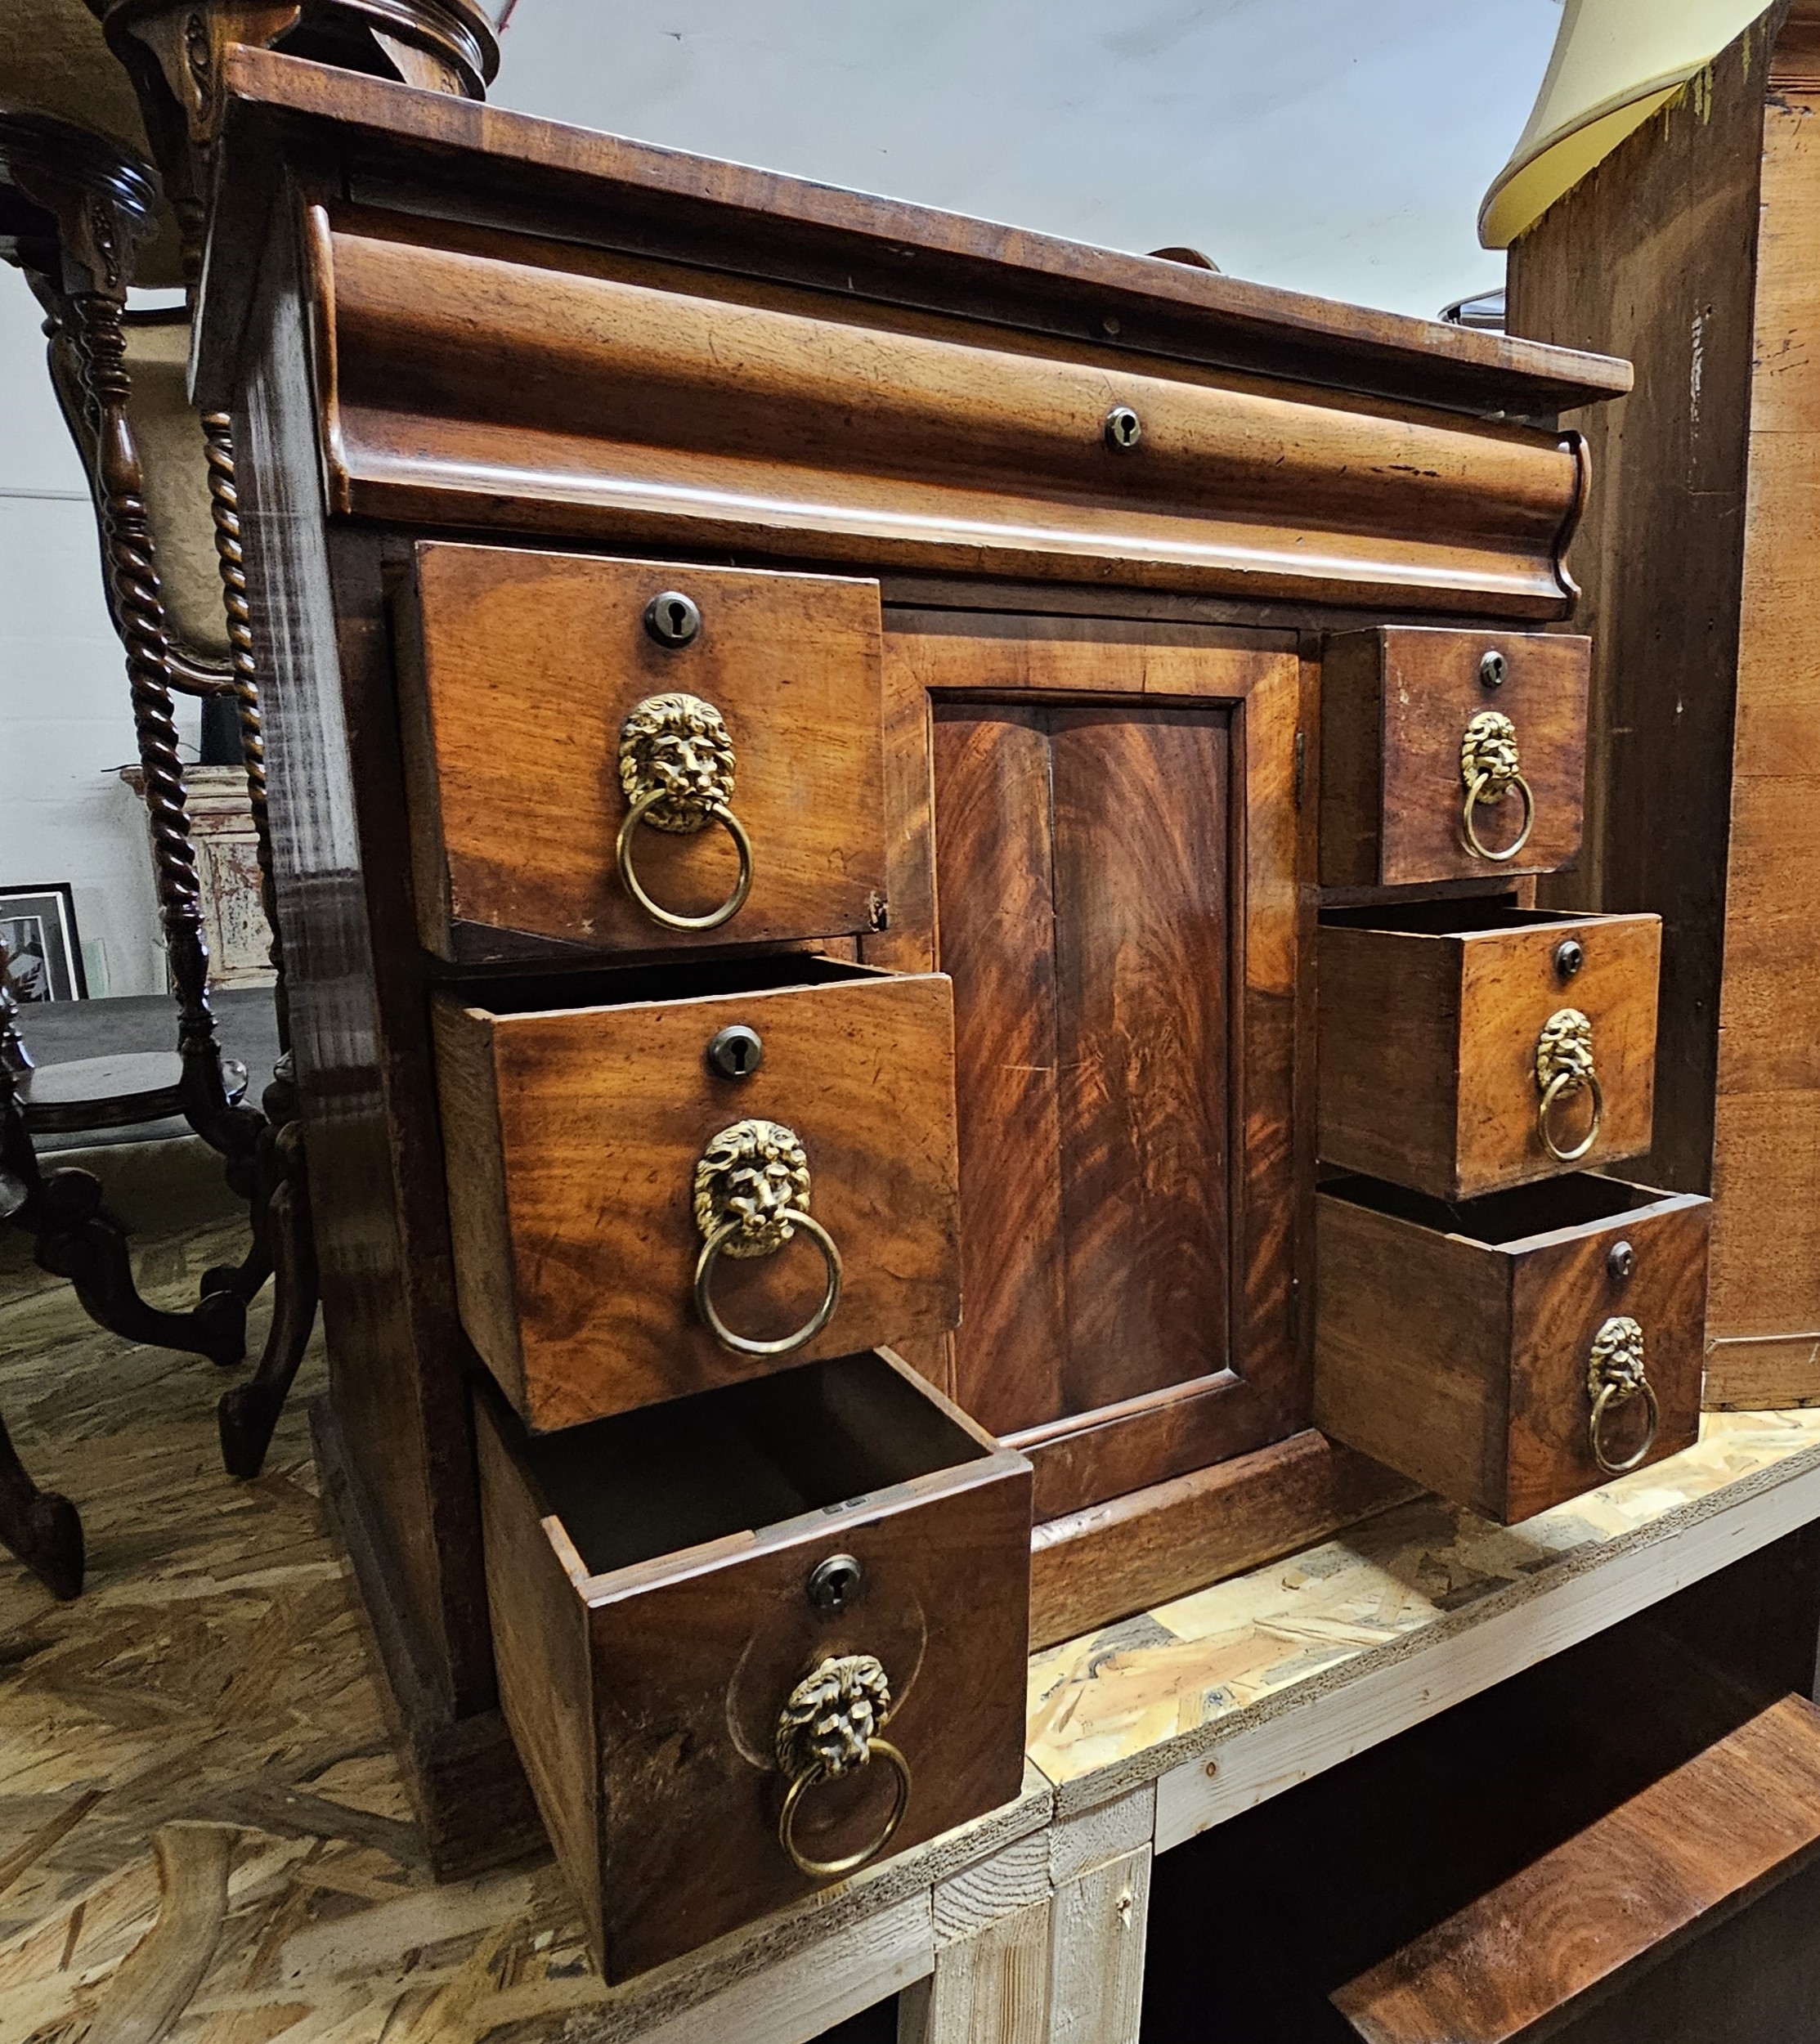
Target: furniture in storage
(1691, 248)
(539, 428)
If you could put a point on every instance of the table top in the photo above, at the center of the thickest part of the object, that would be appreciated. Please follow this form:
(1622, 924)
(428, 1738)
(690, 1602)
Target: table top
(207, 1705)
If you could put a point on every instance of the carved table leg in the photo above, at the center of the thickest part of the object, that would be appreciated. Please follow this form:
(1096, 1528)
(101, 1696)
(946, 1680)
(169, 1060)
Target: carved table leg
(42, 1528)
(247, 1414)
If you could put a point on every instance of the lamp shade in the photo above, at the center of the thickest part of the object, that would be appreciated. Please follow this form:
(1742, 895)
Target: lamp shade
(1614, 63)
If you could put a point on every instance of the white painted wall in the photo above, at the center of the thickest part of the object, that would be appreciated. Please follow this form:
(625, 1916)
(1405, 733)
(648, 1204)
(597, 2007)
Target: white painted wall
(66, 720)
(1327, 145)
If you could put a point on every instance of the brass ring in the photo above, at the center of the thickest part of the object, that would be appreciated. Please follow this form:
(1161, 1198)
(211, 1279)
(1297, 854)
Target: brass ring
(743, 1344)
(1622, 1394)
(1562, 1086)
(1474, 789)
(634, 886)
(832, 1869)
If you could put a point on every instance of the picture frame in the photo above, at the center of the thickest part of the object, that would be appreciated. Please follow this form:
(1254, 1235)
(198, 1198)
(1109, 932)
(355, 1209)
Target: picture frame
(38, 927)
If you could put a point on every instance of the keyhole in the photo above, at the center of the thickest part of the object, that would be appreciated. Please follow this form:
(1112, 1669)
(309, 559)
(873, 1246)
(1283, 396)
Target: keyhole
(1124, 429)
(672, 618)
(736, 1052)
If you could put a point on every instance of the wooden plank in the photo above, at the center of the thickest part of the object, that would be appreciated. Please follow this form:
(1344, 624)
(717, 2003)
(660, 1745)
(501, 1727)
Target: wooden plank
(850, 238)
(1740, 1814)
(994, 841)
(970, 1902)
(1382, 1693)
(1143, 921)
(1091, 1838)
(990, 1988)
(1092, 1567)
(1096, 1954)
(795, 1999)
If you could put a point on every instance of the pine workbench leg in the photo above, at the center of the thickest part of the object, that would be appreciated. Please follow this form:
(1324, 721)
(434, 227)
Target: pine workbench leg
(1100, 1880)
(991, 1981)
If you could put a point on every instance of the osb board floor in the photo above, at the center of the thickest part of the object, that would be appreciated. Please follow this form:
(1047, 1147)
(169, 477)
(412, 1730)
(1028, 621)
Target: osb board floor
(1135, 1689)
(210, 1692)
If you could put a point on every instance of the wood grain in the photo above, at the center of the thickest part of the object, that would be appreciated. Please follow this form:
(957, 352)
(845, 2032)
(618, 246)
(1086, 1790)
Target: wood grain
(1404, 694)
(1694, 251)
(1094, 1567)
(1096, 1954)
(602, 1113)
(1451, 1343)
(1120, 1324)
(1429, 1019)
(513, 840)
(1742, 1813)
(697, 1625)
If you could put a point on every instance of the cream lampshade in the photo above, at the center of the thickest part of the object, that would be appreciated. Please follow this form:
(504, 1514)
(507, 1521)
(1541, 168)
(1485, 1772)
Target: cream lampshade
(1614, 62)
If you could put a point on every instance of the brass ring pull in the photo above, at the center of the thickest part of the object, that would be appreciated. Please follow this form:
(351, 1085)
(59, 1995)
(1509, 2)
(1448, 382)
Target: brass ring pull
(1614, 1377)
(1564, 1069)
(830, 1727)
(676, 766)
(1488, 769)
(751, 1195)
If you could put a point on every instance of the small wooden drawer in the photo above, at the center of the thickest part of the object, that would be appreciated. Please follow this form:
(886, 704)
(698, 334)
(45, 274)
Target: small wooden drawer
(1399, 706)
(1459, 1040)
(1479, 1348)
(597, 1154)
(665, 1585)
(548, 696)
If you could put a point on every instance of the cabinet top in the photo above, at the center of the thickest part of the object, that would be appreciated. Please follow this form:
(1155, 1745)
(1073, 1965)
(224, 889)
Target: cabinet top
(428, 153)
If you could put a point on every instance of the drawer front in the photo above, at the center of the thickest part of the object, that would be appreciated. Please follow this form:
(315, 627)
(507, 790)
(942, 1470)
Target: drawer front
(637, 755)
(1476, 1367)
(575, 1142)
(646, 1704)
(1461, 1061)
(1451, 755)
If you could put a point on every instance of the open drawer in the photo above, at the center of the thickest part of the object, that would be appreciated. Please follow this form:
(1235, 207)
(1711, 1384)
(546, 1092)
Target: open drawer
(749, 1641)
(1513, 1351)
(663, 1181)
(1468, 1046)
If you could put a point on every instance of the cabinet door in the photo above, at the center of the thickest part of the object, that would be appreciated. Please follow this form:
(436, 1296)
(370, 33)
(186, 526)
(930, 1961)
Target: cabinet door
(1100, 842)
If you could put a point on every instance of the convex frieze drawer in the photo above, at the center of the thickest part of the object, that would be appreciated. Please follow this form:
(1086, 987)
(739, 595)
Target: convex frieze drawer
(752, 1641)
(611, 756)
(707, 1171)
(1466, 1045)
(1514, 1351)
(1449, 755)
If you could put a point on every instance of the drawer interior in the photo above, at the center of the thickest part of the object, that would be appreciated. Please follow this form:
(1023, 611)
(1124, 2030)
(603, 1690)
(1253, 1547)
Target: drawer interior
(631, 986)
(1579, 1199)
(749, 1457)
(1459, 918)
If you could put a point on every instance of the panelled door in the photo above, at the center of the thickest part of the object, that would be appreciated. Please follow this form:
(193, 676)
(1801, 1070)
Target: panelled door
(1098, 838)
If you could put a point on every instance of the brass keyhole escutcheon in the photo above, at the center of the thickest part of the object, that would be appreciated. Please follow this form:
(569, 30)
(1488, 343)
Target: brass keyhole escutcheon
(677, 767)
(1564, 1069)
(1615, 1376)
(831, 1726)
(1489, 767)
(750, 1193)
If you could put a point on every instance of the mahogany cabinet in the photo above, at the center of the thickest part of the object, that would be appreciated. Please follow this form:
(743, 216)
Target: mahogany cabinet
(992, 585)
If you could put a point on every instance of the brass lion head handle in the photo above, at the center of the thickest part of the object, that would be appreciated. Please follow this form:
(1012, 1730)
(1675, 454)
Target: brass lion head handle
(751, 1196)
(676, 766)
(1489, 768)
(830, 1726)
(1615, 1377)
(1563, 1070)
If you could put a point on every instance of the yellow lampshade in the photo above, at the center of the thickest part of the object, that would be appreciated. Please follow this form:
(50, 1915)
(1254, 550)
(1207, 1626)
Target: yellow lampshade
(1614, 63)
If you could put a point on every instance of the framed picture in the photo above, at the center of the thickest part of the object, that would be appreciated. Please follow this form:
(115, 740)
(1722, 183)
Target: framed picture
(37, 926)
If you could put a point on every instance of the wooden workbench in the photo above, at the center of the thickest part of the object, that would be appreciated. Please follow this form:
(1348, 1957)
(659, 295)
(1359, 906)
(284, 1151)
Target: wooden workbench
(203, 1836)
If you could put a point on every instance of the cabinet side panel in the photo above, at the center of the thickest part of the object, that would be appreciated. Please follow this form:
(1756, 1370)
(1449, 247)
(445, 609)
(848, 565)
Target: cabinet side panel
(359, 1028)
(1653, 256)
